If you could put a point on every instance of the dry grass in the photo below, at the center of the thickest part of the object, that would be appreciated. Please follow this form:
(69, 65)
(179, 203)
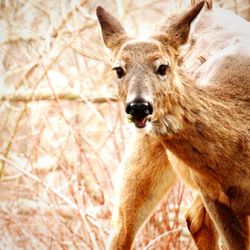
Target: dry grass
(62, 131)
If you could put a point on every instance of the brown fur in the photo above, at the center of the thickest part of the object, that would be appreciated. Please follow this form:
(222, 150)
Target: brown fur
(201, 226)
(135, 201)
(200, 118)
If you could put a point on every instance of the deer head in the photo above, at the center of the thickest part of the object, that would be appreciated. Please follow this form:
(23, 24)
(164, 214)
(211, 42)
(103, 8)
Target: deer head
(146, 69)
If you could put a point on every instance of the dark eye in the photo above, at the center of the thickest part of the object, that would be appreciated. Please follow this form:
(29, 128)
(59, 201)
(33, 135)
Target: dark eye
(119, 72)
(162, 70)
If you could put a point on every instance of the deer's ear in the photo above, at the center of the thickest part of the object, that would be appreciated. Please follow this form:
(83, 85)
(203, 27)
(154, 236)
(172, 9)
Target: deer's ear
(113, 33)
(175, 30)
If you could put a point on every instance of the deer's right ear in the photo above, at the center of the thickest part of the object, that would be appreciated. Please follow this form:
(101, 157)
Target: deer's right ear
(113, 33)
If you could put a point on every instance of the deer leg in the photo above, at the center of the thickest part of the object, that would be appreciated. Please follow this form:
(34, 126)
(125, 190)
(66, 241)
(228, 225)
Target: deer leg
(232, 228)
(144, 178)
(201, 226)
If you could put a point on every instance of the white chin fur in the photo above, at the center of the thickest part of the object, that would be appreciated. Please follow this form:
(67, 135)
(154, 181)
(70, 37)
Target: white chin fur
(144, 130)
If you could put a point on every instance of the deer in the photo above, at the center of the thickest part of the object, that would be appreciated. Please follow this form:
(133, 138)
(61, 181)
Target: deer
(186, 90)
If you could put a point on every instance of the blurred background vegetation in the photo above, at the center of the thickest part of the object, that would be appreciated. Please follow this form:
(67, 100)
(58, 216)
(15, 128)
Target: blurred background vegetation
(63, 132)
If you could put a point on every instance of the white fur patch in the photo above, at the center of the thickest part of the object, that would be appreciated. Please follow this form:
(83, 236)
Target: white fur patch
(144, 130)
(173, 123)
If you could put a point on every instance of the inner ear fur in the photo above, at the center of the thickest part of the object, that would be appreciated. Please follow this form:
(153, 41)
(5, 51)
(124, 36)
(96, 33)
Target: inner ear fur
(113, 33)
(176, 28)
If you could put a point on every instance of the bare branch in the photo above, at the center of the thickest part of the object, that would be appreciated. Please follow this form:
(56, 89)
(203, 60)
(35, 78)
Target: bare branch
(28, 96)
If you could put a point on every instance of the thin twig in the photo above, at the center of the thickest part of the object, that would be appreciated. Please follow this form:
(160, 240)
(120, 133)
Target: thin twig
(8, 147)
(65, 19)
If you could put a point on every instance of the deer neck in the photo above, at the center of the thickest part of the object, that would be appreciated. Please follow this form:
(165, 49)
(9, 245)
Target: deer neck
(199, 126)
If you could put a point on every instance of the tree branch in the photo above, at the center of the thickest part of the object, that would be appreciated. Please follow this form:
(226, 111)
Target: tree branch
(26, 97)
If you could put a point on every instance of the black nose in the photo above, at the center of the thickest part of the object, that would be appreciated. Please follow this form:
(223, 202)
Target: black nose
(139, 110)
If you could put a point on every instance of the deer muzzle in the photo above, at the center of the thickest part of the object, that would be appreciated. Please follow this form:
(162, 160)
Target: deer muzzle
(140, 112)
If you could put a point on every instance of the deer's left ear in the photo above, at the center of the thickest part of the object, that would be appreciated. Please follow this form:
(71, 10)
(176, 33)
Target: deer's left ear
(175, 30)
(113, 33)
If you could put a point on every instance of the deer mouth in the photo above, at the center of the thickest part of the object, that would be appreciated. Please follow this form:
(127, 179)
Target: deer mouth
(141, 123)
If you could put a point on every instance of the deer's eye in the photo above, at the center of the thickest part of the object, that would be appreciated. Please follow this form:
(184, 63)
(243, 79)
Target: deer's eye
(162, 69)
(119, 72)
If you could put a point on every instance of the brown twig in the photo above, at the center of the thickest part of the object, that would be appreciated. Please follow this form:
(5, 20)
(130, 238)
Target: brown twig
(8, 147)
(26, 97)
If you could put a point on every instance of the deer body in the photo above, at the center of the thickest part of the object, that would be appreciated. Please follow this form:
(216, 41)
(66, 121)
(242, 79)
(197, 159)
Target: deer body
(193, 104)
(226, 150)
